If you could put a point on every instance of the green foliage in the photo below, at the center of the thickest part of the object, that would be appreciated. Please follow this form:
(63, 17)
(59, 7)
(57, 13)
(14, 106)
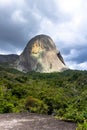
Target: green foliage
(62, 94)
(35, 105)
(82, 126)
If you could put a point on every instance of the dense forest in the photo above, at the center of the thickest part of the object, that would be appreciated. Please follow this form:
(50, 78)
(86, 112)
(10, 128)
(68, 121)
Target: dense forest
(63, 95)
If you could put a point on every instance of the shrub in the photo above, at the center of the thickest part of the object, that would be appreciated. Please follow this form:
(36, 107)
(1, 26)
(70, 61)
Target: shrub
(8, 108)
(82, 126)
(35, 105)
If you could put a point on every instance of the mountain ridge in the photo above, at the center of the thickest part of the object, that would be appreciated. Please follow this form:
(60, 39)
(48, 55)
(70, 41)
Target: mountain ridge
(8, 58)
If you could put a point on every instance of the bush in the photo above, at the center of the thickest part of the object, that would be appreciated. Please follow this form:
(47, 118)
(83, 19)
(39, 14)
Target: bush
(19, 91)
(8, 108)
(82, 126)
(35, 105)
(74, 115)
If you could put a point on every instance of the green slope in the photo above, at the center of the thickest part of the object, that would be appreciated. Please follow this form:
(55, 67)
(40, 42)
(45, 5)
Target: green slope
(61, 94)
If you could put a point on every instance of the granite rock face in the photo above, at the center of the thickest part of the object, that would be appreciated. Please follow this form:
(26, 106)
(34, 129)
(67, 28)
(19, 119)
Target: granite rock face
(40, 55)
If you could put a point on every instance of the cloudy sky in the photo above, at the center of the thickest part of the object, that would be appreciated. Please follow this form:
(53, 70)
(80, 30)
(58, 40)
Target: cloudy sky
(63, 20)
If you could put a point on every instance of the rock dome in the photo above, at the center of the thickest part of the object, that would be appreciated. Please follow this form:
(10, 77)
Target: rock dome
(40, 55)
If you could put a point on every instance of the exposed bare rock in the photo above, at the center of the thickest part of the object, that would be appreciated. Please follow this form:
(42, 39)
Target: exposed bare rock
(41, 55)
(33, 122)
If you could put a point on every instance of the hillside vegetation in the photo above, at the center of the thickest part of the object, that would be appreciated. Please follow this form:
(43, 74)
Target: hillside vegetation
(61, 94)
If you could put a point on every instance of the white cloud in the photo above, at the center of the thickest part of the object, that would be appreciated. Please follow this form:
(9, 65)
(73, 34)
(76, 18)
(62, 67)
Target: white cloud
(69, 6)
(17, 17)
(72, 30)
(17, 3)
(74, 65)
(5, 2)
(4, 52)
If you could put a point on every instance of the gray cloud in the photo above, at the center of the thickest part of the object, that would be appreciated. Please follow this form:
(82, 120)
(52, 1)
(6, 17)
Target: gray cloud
(16, 27)
(64, 21)
(82, 56)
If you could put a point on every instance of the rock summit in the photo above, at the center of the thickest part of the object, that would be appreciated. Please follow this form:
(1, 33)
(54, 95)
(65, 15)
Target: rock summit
(40, 55)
